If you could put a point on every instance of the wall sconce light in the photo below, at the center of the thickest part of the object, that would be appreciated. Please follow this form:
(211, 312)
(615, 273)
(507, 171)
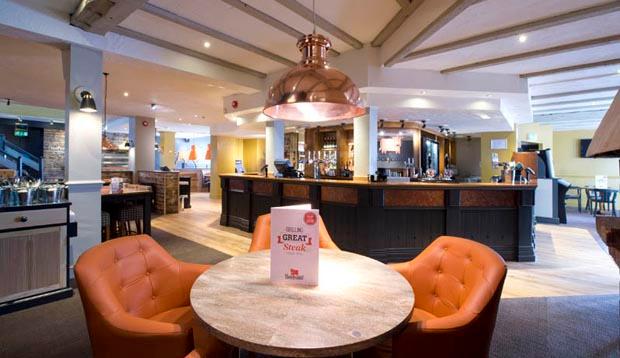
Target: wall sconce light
(381, 123)
(402, 123)
(86, 99)
(423, 123)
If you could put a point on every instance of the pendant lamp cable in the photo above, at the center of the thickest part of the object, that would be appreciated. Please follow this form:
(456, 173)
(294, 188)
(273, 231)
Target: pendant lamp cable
(313, 18)
(105, 102)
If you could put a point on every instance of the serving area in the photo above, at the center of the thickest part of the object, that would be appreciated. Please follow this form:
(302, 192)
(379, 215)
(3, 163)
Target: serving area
(393, 221)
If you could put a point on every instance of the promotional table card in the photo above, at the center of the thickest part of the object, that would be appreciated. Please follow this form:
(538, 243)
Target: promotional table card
(295, 245)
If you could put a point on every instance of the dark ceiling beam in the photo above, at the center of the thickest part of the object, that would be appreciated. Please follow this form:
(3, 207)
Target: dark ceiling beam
(185, 22)
(189, 52)
(536, 53)
(442, 20)
(101, 16)
(575, 93)
(571, 68)
(270, 20)
(395, 22)
(298, 8)
(539, 24)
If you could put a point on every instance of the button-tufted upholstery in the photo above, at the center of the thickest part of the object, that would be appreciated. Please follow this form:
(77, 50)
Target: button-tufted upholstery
(457, 285)
(261, 238)
(136, 298)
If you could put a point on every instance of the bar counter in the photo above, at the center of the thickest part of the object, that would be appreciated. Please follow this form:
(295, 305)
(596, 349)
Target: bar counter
(393, 221)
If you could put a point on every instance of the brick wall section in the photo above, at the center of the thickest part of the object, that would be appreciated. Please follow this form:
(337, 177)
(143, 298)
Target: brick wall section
(53, 154)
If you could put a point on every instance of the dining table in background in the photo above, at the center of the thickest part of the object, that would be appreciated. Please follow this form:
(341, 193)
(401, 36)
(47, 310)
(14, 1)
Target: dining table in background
(130, 193)
(359, 302)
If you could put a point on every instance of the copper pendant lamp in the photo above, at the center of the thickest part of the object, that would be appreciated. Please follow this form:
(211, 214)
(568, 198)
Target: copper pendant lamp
(312, 91)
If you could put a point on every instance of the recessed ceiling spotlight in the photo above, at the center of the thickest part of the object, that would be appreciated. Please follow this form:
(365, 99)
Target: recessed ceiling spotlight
(180, 119)
(126, 94)
(381, 133)
(522, 38)
(195, 116)
(211, 85)
(220, 87)
(154, 106)
(484, 116)
(207, 44)
(423, 92)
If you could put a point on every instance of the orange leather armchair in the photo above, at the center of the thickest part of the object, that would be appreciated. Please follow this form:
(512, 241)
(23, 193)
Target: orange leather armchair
(136, 299)
(457, 285)
(261, 238)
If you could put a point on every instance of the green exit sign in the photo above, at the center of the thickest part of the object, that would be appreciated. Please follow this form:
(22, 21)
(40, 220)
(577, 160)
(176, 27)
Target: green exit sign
(21, 130)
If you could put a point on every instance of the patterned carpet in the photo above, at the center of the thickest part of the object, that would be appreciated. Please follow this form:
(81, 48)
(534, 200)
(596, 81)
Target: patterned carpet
(573, 326)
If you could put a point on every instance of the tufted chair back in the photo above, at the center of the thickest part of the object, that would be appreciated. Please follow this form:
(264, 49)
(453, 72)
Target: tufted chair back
(457, 285)
(261, 238)
(126, 286)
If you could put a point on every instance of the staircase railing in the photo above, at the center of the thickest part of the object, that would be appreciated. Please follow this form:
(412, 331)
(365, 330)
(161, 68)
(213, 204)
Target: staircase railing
(14, 157)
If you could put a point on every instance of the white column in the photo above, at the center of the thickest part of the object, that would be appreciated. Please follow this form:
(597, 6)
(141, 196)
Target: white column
(83, 67)
(365, 143)
(144, 141)
(274, 143)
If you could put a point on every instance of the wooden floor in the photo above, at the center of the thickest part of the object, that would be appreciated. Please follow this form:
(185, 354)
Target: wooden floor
(570, 260)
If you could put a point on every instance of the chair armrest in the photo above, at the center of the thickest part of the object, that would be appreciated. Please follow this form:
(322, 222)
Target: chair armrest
(454, 321)
(189, 273)
(124, 325)
(127, 336)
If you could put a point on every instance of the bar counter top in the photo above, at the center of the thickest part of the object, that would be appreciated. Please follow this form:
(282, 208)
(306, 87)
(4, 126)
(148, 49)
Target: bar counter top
(365, 183)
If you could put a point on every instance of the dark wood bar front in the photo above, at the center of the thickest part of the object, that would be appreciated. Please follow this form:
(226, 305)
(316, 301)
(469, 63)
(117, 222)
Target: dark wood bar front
(393, 221)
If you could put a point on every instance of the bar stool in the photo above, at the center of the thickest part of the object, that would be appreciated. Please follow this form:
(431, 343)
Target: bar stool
(105, 225)
(127, 215)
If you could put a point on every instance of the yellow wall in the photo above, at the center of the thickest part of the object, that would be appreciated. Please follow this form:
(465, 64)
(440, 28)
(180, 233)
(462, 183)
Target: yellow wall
(224, 152)
(167, 146)
(543, 134)
(253, 154)
(486, 169)
(580, 171)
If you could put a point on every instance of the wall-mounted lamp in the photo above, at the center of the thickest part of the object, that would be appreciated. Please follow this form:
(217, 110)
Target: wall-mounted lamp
(381, 123)
(402, 123)
(86, 99)
(423, 123)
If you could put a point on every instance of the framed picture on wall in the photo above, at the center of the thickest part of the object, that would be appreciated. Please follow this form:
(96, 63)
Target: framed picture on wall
(499, 143)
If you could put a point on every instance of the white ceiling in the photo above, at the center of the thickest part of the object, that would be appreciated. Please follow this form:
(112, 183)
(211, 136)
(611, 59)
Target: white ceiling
(32, 74)
(30, 69)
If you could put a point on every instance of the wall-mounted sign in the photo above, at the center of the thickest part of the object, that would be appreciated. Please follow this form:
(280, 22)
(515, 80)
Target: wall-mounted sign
(499, 143)
(21, 130)
(295, 245)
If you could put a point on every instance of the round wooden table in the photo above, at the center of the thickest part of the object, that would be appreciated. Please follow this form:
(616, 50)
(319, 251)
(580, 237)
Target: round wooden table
(358, 303)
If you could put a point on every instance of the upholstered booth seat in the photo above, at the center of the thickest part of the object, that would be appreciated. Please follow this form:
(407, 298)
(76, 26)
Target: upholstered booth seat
(136, 299)
(457, 285)
(261, 238)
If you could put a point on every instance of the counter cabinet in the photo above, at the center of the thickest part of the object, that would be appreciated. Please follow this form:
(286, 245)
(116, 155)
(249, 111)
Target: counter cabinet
(34, 255)
(394, 222)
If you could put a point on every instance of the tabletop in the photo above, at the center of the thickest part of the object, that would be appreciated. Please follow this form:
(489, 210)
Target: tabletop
(358, 303)
(125, 191)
